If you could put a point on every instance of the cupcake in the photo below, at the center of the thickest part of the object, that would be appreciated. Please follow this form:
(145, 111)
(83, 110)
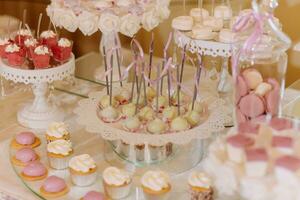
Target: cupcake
(123, 97)
(93, 195)
(128, 110)
(34, 171)
(150, 93)
(110, 114)
(48, 38)
(179, 124)
(57, 131)
(200, 186)
(162, 103)
(83, 170)
(59, 152)
(25, 139)
(41, 57)
(104, 102)
(24, 156)
(62, 50)
(146, 114)
(116, 182)
(169, 113)
(156, 185)
(15, 55)
(54, 187)
(30, 45)
(132, 124)
(3, 44)
(193, 117)
(22, 35)
(156, 126)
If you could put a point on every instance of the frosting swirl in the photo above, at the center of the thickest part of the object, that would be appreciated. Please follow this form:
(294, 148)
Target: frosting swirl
(57, 129)
(62, 147)
(30, 42)
(41, 50)
(82, 163)
(115, 176)
(4, 41)
(198, 179)
(12, 48)
(24, 32)
(155, 180)
(64, 42)
(48, 34)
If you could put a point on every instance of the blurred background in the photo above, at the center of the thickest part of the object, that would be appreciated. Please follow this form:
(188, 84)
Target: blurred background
(287, 12)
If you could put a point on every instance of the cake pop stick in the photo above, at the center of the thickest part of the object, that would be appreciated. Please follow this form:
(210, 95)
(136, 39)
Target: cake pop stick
(151, 56)
(139, 86)
(39, 26)
(157, 88)
(19, 36)
(169, 86)
(183, 63)
(178, 90)
(199, 68)
(163, 77)
(8, 28)
(105, 67)
(55, 30)
(213, 7)
(118, 60)
(24, 17)
(111, 79)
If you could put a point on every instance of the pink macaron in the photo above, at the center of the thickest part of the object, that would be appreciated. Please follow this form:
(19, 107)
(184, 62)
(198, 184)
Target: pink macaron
(252, 105)
(240, 141)
(288, 162)
(240, 117)
(25, 138)
(272, 101)
(34, 169)
(281, 123)
(93, 195)
(256, 154)
(242, 87)
(26, 155)
(54, 184)
(252, 77)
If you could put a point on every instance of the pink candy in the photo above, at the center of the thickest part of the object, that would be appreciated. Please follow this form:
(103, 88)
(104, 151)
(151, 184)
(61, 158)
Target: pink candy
(92, 195)
(26, 155)
(240, 140)
(54, 184)
(259, 154)
(35, 169)
(25, 138)
(288, 162)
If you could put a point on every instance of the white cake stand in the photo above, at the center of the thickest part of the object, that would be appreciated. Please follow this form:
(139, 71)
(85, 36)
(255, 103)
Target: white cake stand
(38, 113)
(210, 48)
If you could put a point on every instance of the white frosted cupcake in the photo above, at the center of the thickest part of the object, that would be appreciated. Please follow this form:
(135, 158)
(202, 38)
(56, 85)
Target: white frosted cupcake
(57, 131)
(156, 185)
(128, 110)
(83, 170)
(110, 114)
(200, 186)
(59, 152)
(117, 183)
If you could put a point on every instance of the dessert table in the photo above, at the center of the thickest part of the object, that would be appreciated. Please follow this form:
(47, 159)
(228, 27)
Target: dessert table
(66, 93)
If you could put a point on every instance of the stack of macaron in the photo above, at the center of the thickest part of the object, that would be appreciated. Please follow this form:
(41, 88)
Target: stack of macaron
(256, 96)
(201, 26)
(25, 50)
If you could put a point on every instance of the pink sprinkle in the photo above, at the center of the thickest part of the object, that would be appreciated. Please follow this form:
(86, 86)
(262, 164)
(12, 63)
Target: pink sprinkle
(288, 162)
(282, 141)
(258, 154)
(240, 141)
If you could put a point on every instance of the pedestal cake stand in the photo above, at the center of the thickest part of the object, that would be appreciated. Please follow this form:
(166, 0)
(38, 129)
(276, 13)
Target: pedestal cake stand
(38, 113)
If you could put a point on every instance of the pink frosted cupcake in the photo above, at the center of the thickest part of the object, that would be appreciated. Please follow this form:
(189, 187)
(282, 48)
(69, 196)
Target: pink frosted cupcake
(22, 35)
(93, 195)
(30, 45)
(49, 38)
(34, 171)
(62, 51)
(15, 55)
(41, 57)
(54, 187)
(24, 156)
(3, 44)
(25, 139)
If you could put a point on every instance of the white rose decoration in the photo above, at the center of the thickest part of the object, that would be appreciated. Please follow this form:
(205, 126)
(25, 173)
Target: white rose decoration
(109, 23)
(88, 23)
(130, 25)
(163, 12)
(65, 18)
(150, 20)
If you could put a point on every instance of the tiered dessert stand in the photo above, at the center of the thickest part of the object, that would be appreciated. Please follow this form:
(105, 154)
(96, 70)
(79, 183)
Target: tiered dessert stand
(209, 48)
(38, 113)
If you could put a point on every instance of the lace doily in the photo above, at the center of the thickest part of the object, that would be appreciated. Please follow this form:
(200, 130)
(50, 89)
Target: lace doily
(211, 48)
(87, 116)
(37, 76)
